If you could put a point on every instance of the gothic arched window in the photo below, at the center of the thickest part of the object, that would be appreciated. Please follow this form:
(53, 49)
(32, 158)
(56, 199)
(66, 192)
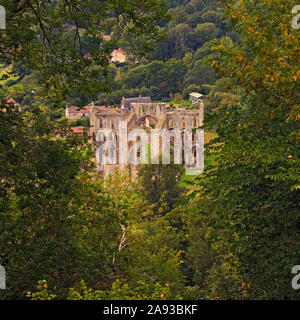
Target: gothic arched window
(194, 123)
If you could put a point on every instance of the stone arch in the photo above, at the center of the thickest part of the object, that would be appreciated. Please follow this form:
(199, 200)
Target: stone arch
(171, 124)
(152, 121)
(195, 122)
(145, 119)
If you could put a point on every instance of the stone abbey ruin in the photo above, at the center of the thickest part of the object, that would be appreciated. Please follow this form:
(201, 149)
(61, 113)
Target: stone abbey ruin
(142, 114)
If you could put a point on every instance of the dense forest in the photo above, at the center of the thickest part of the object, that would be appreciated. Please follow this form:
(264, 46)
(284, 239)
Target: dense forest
(229, 233)
(179, 65)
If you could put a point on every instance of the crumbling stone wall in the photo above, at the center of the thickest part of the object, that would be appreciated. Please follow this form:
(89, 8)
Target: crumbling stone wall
(141, 115)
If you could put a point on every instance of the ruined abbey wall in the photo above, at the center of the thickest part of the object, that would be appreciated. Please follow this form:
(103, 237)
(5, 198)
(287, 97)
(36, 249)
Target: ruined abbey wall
(141, 115)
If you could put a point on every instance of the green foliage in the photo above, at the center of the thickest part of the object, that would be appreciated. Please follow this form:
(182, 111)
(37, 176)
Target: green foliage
(49, 210)
(119, 291)
(181, 40)
(231, 233)
(253, 183)
(155, 74)
(159, 184)
(74, 57)
(177, 97)
(69, 83)
(154, 255)
(41, 293)
(205, 32)
(200, 74)
(192, 26)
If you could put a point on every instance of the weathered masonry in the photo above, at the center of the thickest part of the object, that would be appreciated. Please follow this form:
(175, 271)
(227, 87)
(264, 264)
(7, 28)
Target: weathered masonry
(140, 115)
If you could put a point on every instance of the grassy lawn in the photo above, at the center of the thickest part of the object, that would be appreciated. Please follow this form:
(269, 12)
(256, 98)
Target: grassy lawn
(176, 104)
(180, 103)
(208, 160)
(209, 136)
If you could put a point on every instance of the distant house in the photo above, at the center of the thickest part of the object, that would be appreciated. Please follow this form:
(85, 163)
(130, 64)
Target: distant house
(196, 97)
(126, 102)
(73, 113)
(118, 56)
(13, 101)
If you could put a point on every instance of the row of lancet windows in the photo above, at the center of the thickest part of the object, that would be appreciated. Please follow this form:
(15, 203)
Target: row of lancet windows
(183, 123)
(101, 125)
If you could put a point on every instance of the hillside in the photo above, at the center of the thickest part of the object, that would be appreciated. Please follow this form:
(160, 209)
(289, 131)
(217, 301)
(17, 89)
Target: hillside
(179, 65)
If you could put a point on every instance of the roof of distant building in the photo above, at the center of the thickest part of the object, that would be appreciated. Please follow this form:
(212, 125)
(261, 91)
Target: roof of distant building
(196, 95)
(78, 130)
(13, 101)
(126, 102)
(84, 109)
(117, 51)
